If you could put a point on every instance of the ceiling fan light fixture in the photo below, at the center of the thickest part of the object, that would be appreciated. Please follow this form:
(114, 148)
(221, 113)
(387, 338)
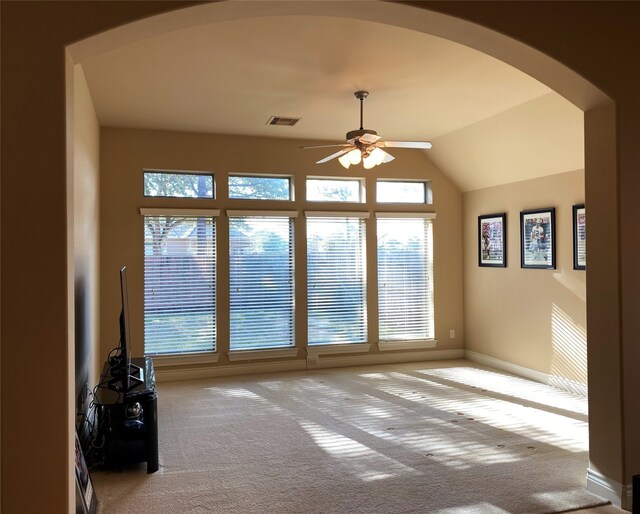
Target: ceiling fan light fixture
(378, 156)
(344, 160)
(355, 156)
(369, 162)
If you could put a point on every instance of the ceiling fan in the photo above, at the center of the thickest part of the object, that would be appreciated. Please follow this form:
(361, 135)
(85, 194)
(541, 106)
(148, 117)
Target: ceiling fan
(366, 145)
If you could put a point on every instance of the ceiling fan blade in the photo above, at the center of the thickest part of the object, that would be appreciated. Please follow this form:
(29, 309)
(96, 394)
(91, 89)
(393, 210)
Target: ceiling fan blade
(325, 146)
(368, 138)
(407, 144)
(334, 155)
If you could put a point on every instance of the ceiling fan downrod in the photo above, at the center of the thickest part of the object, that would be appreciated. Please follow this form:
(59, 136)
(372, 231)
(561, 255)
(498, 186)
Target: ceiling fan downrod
(361, 95)
(353, 134)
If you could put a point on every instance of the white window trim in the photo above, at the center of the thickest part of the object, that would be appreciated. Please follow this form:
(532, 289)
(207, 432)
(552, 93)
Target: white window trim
(232, 213)
(145, 211)
(267, 353)
(336, 214)
(426, 215)
(176, 359)
(328, 349)
(419, 344)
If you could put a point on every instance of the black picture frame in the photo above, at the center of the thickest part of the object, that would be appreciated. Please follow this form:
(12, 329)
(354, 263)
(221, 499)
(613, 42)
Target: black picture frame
(579, 237)
(538, 238)
(86, 500)
(492, 240)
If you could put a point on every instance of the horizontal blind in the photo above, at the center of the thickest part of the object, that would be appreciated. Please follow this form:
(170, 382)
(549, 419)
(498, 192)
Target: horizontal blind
(405, 279)
(261, 281)
(336, 280)
(179, 284)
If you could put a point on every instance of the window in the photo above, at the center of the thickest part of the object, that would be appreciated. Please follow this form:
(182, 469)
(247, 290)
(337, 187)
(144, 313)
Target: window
(334, 190)
(261, 280)
(248, 187)
(179, 284)
(178, 184)
(336, 279)
(405, 277)
(395, 191)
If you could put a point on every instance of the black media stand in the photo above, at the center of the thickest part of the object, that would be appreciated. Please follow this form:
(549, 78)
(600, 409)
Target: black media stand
(128, 418)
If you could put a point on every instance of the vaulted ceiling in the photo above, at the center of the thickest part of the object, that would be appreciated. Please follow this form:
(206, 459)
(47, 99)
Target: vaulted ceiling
(490, 124)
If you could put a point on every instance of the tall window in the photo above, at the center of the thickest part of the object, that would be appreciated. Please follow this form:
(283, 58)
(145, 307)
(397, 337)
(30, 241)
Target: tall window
(261, 280)
(336, 279)
(179, 284)
(405, 278)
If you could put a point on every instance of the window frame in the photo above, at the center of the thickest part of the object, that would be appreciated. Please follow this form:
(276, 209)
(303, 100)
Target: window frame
(428, 199)
(403, 343)
(362, 217)
(181, 172)
(289, 178)
(176, 355)
(256, 214)
(362, 190)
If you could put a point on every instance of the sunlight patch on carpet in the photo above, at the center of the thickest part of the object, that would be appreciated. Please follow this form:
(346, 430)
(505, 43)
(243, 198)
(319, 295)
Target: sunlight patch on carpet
(355, 457)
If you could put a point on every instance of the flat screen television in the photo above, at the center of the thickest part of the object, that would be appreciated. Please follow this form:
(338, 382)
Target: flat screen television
(125, 376)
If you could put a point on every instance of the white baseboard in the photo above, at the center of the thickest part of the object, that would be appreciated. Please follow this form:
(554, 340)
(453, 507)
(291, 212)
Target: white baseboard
(337, 361)
(388, 358)
(617, 493)
(191, 373)
(531, 374)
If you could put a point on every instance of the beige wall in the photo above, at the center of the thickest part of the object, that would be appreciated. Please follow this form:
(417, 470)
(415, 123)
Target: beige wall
(86, 230)
(125, 153)
(530, 317)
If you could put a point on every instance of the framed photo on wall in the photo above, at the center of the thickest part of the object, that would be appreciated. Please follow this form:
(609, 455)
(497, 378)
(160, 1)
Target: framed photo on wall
(86, 501)
(538, 238)
(492, 240)
(579, 237)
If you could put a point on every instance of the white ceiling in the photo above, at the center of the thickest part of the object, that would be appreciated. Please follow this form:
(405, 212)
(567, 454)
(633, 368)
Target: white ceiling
(230, 77)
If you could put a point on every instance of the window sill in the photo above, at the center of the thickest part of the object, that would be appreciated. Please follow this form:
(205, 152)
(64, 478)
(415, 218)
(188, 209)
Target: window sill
(160, 361)
(406, 345)
(338, 348)
(267, 353)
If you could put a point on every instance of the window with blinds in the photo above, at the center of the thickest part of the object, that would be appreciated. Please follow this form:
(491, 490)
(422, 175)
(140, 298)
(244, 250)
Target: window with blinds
(405, 278)
(179, 284)
(336, 279)
(261, 291)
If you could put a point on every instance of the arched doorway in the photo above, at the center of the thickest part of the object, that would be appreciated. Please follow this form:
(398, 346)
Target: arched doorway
(545, 69)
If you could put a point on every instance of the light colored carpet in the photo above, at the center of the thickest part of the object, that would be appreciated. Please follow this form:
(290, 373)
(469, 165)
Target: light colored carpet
(446, 437)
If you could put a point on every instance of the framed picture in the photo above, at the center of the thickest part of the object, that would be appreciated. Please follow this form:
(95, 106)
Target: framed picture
(538, 238)
(86, 501)
(579, 237)
(492, 240)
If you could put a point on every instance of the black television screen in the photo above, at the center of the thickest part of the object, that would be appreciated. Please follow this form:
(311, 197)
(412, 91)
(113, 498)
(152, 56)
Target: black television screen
(125, 337)
(124, 375)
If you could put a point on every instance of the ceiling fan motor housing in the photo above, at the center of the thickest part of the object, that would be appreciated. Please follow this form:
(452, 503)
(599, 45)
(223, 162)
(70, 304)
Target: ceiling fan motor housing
(352, 134)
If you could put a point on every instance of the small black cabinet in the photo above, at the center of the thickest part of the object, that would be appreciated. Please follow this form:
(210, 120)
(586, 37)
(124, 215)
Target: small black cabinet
(128, 420)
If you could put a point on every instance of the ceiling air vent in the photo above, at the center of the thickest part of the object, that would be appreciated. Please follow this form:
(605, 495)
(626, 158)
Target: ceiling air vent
(281, 120)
